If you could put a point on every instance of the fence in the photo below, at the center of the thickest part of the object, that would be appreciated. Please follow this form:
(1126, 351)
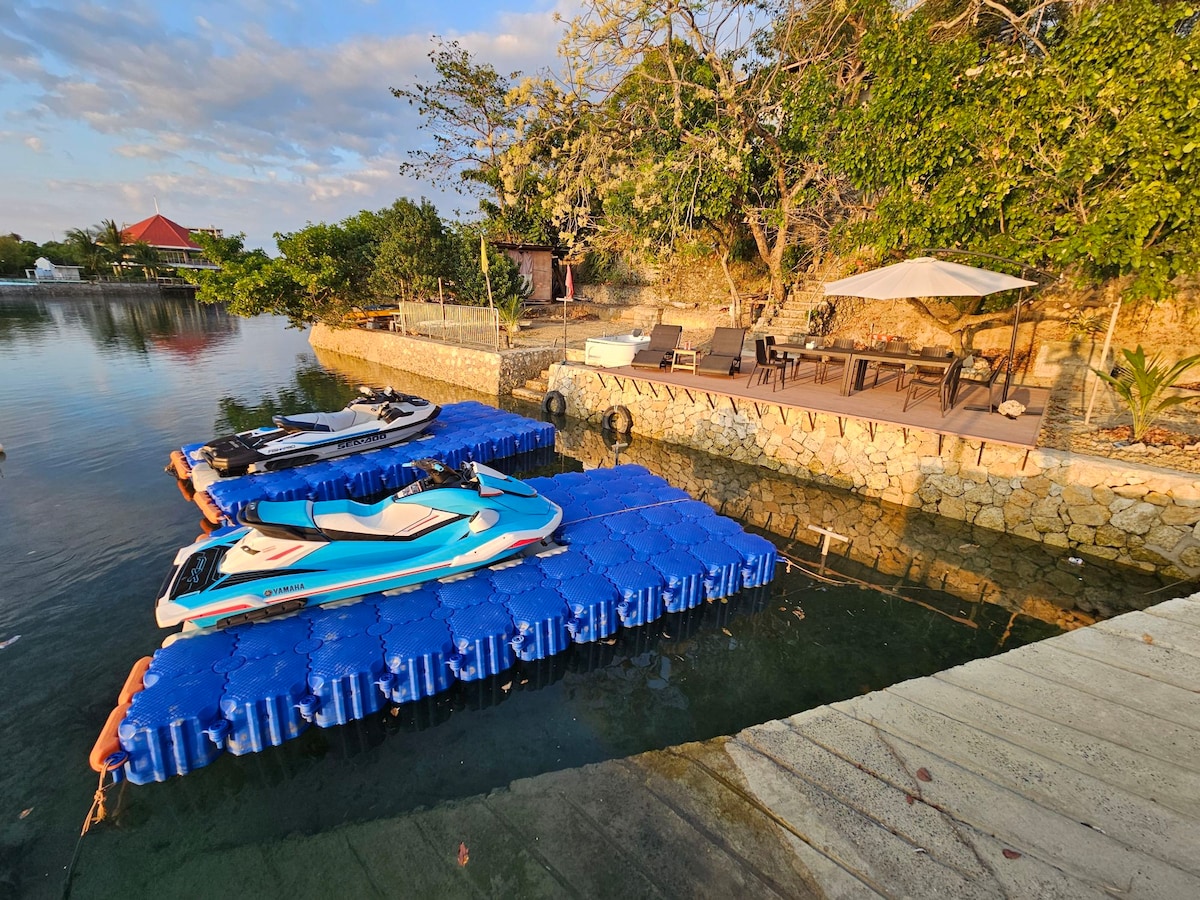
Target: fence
(477, 326)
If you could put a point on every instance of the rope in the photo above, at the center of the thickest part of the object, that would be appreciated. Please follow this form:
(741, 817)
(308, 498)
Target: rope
(617, 511)
(96, 813)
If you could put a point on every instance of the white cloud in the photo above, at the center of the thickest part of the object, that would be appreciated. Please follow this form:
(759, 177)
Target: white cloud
(234, 125)
(34, 143)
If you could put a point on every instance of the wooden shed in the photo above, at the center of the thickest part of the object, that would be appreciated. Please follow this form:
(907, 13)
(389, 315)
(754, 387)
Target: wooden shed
(538, 265)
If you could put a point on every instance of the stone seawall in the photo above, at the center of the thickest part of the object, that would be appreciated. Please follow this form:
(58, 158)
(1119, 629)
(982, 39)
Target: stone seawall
(487, 371)
(80, 290)
(1133, 514)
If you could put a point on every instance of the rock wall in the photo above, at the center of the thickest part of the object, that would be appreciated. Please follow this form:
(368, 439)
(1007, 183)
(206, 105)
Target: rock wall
(890, 545)
(487, 371)
(1133, 514)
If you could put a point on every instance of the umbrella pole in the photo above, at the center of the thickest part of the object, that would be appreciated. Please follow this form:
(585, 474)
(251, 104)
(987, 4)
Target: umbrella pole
(1012, 346)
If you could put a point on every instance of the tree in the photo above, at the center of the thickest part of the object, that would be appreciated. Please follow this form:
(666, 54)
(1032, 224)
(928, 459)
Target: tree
(413, 251)
(112, 241)
(744, 95)
(87, 250)
(468, 115)
(16, 255)
(1061, 135)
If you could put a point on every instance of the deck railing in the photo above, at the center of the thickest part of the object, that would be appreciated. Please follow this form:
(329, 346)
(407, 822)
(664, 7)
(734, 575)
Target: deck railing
(477, 326)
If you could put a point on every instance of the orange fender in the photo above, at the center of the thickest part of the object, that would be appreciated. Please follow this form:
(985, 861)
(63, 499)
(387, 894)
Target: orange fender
(183, 469)
(207, 507)
(108, 743)
(133, 683)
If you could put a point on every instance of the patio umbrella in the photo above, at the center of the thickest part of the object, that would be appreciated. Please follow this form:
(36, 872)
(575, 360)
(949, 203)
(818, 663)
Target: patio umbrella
(927, 276)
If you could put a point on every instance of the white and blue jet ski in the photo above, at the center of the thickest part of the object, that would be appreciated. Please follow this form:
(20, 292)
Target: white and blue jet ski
(296, 553)
(378, 418)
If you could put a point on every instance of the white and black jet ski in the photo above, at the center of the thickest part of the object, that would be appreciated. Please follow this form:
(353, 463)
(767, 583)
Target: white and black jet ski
(378, 418)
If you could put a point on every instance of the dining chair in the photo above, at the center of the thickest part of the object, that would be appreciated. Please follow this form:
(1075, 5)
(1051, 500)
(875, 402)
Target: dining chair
(987, 383)
(943, 382)
(835, 361)
(900, 367)
(767, 365)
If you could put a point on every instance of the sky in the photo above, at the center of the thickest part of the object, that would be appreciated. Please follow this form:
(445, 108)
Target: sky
(254, 116)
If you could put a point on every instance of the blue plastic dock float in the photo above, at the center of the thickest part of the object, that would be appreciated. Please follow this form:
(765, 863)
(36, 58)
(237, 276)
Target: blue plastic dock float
(635, 548)
(464, 432)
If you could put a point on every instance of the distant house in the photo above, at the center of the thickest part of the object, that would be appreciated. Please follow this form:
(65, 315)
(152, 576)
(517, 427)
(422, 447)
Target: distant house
(48, 271)
(539, 267)
(172, 241)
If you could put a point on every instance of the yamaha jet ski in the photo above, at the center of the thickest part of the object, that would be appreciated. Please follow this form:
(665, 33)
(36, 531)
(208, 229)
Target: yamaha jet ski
(378, 418)
(295, 553)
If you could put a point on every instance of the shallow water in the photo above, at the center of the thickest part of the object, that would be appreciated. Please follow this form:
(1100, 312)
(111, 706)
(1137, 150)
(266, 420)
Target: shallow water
(93, 396)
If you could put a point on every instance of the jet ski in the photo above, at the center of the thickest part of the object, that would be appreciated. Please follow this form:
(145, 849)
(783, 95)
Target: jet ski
(378, 418)
(295, 553)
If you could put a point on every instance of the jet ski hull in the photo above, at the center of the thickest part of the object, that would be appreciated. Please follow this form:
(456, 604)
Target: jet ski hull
(301, 553)
(378, 420)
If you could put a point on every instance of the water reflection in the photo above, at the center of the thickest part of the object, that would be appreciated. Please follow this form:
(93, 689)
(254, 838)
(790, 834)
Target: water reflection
(21, 320)
(181, 328)
(909, 551)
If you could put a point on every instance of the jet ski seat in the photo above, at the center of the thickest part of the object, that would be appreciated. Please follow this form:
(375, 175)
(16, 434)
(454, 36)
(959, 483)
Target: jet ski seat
(398, 520)
(318, 422)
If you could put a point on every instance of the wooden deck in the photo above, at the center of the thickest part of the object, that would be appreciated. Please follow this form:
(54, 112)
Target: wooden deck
(881, 404)
(1066, 768)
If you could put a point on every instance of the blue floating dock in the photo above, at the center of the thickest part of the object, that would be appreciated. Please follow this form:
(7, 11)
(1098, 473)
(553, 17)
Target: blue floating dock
(464, 432)
(635, 548)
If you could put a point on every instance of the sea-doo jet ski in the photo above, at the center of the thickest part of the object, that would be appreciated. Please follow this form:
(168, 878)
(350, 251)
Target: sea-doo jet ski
(295, 553)
(378, 418)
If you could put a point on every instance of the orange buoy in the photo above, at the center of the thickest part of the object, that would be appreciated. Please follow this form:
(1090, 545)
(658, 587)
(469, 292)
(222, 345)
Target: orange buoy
(134, 682)
(183, 470)
(109, 742)
(205, 502)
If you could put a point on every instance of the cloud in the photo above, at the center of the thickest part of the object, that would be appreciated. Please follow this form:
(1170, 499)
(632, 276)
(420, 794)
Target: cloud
(34, 143)
(224, 113)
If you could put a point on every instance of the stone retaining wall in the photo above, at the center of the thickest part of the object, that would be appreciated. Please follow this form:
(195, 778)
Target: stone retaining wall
(1133, 514)
(80, 290)
(486, 371)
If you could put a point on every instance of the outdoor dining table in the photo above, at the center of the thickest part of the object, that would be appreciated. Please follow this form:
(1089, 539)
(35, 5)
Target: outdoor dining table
(855, 370)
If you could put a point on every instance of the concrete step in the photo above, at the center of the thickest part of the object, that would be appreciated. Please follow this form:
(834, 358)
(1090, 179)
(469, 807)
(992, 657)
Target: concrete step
(524, 393)
(540, 384)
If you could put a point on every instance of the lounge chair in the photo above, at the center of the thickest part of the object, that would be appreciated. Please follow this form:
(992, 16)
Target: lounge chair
(724, 355)
(663, 340)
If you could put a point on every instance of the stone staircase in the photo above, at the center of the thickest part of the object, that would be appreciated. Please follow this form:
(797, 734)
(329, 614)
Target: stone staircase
(792, 317)
(534, 389)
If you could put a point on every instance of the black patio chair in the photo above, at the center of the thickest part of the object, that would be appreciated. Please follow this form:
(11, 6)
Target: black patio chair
(767, 364)
(657, 355)
(987, 383)
(943, 382)
(724, 355)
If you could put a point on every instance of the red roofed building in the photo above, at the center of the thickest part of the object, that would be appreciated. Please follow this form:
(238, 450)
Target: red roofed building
(172, 241)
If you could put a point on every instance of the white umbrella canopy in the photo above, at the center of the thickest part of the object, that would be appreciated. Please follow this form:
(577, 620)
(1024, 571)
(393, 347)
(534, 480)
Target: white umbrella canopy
(924, 276)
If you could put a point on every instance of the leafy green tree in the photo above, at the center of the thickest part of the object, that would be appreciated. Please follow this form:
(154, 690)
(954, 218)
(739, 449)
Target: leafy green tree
(467, 113)
(1064, 139)
(16, 255)
(413, 251)
(60, 253)
(143, 256)
(467, 282)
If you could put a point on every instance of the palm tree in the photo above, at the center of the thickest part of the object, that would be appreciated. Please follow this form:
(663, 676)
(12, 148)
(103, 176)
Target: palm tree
(87, 249)
(110, 238)
(139, 253)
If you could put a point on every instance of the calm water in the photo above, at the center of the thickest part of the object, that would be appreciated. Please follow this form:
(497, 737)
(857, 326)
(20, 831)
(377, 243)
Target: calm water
(93, 396)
